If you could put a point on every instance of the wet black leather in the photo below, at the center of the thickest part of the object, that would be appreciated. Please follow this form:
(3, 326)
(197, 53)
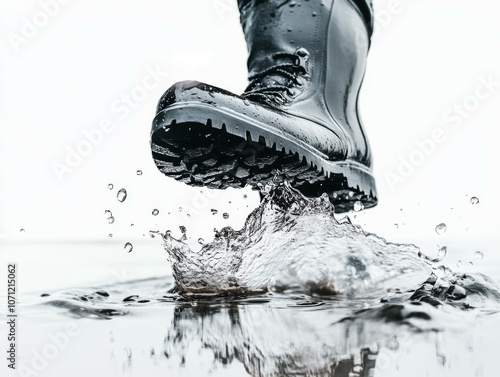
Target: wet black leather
(310, 56)
(313, 134)
(306, 64)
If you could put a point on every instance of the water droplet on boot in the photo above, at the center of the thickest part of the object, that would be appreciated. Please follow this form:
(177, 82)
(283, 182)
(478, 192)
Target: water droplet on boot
(474, 200)
(121, 195)
(155, 212)
(442, 252)
(358, 206)
(225, 215)
(314, 14)
(128, 247)
(139, 172)
(441, 228)
(478, 255)
(110, 186)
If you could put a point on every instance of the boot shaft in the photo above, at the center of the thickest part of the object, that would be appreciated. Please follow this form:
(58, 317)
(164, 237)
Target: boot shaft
(327, 41)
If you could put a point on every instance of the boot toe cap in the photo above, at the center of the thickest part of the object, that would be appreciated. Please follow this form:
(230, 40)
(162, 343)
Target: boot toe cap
(189, 91)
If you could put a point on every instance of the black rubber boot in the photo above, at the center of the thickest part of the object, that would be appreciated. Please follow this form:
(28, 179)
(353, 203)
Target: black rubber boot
(298, 115)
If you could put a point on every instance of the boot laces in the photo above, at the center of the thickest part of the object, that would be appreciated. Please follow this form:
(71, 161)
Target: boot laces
(278, 84)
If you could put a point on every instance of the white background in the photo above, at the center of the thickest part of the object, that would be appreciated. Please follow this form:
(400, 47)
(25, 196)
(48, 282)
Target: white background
(426, 56)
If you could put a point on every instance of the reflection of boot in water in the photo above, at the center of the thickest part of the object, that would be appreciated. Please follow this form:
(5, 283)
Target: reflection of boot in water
(348, 367)
(298, 114)
(273, 342)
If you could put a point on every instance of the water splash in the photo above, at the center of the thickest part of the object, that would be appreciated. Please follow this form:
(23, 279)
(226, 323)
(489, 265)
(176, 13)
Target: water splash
(121, 195)
(478, 255)
(441, 228)
(442, 252)
(109, 216)
(358, 206)
(128, 247)
(292, 243)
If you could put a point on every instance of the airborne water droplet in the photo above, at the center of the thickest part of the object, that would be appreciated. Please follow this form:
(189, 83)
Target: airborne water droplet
(155, 212)
(183, 228)
(441, 228)
(442, 252)
(139, 172)
(121, 195)
(214, 211)
(459, 264)
(22, 230)
(201, 241)
(110, 186)
(358, 206)
(128, 247)
(474, 200)
(225, 215)
(109, 216)
(478, 255)
(110, 235)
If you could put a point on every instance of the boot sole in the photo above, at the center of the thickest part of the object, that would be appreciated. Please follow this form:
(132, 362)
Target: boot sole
(202, 145)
